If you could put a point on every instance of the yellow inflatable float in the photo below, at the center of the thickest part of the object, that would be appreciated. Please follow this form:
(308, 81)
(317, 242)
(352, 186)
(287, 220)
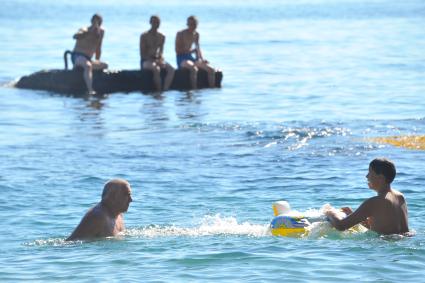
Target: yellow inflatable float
(288, 223)
(284, 224)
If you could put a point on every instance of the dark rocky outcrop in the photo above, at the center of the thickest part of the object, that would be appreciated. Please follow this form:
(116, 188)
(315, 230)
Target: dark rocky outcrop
(108, 81)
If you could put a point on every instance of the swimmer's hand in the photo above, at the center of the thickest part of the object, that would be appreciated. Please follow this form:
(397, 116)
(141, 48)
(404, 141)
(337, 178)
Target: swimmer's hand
(331, 212)
(327, 208)
(347, 210)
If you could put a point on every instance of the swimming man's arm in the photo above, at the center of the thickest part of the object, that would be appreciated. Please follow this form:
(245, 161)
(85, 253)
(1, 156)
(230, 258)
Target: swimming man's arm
(358, 216)
(91, 226)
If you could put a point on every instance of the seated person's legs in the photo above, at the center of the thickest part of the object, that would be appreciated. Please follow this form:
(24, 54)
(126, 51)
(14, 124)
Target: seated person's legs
(156, 71)
(193, 72)
(169, 75)
(210, 70)
(82, 61)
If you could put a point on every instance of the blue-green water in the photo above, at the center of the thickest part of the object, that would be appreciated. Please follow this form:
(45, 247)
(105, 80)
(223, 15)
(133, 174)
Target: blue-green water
(305, 84)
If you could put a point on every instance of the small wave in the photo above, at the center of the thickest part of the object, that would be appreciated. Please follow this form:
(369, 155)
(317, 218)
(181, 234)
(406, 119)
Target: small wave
(8, 83)
(213, 225)
(210, 225)
(295, 137)
(398, 237)
(53, 242)
(218, 225)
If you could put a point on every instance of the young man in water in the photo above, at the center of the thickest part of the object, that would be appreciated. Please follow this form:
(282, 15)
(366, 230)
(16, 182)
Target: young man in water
(184, 41)
(105, 219)
(89, 42)
(385, 213)
(151, 49)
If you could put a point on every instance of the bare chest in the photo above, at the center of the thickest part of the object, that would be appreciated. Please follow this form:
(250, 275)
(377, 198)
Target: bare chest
(153, 41)
(188, 38)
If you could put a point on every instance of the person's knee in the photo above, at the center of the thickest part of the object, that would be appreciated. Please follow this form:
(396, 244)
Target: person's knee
(169, 68)
(187, 64)
(88, 66)
(210, 70)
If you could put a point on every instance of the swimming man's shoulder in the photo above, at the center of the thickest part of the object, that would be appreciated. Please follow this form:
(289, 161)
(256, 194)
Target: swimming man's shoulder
(96, 214)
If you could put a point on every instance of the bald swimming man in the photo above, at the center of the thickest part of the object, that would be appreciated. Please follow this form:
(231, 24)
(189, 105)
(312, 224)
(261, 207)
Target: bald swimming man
(105, 219)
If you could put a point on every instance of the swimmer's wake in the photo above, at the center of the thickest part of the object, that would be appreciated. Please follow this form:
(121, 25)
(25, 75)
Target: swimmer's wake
(317, 227)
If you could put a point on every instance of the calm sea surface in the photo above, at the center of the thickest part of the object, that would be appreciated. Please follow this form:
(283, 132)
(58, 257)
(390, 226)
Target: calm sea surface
(306, 83)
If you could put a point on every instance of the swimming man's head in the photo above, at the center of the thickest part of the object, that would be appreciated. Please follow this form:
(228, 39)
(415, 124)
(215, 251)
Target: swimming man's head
(117, 195)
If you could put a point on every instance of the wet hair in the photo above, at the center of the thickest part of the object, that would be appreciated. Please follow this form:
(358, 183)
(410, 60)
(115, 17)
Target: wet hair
(383, 166)
(97, 16)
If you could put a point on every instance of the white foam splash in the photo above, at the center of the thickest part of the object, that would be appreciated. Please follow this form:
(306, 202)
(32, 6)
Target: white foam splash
(54, 242)
(210, 225)
(322, 228)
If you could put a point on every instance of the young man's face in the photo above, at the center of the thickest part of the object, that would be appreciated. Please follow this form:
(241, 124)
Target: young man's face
(155, 22)
(192, 24)
(374, 180)
(96, 22)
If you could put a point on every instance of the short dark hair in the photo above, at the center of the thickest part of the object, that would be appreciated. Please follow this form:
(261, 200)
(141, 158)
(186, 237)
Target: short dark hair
(192, 18)
(97, 16)
(154, 17)
(383, 166)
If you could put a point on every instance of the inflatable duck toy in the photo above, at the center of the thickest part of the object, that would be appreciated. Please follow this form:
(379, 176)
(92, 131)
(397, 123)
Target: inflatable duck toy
(285, 224)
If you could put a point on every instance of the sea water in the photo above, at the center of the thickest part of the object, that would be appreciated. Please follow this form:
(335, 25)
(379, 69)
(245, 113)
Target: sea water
(306, 84)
